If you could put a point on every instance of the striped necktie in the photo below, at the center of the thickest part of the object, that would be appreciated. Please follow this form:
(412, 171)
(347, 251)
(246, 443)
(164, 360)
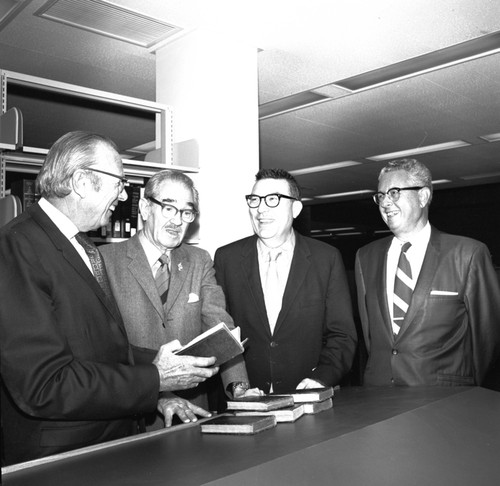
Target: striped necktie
(403, 289)
(162, 277)
(97, 264)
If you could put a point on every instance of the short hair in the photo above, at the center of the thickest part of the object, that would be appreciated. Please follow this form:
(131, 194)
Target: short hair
(419, 174)
(153, 185)
(73, 151)
(283, 175)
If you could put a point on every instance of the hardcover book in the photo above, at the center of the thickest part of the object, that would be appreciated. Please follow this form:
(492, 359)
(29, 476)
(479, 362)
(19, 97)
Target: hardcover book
(312, 394)
(218, 341)
(262, 403)
(242, 425)
(316, 407)
(288, 414)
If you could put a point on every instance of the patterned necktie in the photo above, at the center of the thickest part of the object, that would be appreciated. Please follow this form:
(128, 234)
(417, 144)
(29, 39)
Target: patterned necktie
(403, 289)
(97, 264)
(162, 277)
(272, 294)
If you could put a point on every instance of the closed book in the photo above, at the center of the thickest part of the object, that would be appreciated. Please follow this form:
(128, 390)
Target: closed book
(218, 341)
(316, 407)
(288, 414)
(312, 394)
(241, 425)
(262, 403)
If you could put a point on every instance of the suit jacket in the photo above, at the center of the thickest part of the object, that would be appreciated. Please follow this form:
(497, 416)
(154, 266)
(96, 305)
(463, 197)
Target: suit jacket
(314, 335)
(67, 376)
(451, 331)
(194, 302)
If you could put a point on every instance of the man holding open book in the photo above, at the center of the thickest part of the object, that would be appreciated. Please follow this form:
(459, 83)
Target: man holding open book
(166, 290)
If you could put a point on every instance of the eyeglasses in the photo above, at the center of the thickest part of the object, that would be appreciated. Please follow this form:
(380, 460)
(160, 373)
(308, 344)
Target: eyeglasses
(271, 200)
(123, 180)
(170, 212)
(393, 193)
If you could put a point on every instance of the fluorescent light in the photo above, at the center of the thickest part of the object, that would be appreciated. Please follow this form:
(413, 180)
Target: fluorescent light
(448, 56)
(322, 235)
(492, 137)
(290, 103)
(383, 231)
(420, 150)
(480, 176)
(322, 168)
(340, 194)
(347, 228)
(350, 234)
(440, 181)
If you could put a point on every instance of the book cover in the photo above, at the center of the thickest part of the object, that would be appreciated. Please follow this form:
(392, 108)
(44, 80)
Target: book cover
(316, 407)
(218, 341)
(262, 403)
(242, 425)
(312, 394)
(288, 414)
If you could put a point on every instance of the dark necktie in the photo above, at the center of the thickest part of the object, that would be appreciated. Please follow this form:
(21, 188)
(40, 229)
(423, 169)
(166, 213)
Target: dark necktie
(162, 277)
(96, 263)
(403, 289)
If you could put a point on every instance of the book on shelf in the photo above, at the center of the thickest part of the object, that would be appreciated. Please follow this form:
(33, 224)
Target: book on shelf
(240, 425)
(311, 394)
(218, 341)
(287, 414)
(24, 189)
(316, 407)
(263, 402)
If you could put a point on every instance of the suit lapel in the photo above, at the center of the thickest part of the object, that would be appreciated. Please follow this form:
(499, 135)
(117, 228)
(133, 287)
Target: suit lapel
(381, 270)
(424, 282)
(180, 265)
(138, 266)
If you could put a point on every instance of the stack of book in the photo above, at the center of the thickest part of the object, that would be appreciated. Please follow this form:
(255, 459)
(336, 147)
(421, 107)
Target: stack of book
(314, 400)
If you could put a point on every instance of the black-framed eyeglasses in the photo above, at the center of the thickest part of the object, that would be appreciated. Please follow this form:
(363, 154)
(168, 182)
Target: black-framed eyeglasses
(393, 193)
(123, 180)
(170, 212)
(271, 200)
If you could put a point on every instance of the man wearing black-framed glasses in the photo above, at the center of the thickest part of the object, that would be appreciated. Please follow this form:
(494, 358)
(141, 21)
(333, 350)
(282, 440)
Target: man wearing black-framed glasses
(429, 302)
(288, 293)
(166, 289)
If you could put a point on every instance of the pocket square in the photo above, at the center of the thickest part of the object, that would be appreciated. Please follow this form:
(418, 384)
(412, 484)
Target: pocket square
(193, 298)
(443, 292)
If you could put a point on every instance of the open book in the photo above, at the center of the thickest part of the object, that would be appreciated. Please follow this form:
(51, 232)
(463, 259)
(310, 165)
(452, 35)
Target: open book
(218, 341)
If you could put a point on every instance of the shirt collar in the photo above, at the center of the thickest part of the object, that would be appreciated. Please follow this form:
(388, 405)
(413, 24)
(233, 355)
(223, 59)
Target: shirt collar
(63, 223)
(152, 252)
(420, 240)
(288, 246)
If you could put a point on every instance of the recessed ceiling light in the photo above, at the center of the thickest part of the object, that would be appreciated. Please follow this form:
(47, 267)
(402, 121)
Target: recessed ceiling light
(492, 137)
(480, 176)
(420, 150)
(340, 194)
(322, 168)
(440, 181)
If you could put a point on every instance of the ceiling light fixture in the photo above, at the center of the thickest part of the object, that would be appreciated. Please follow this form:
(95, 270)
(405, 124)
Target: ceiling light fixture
(322, 168)
(440, 181)
(341, 194)
(420, 150)
(480, 176)
(290, 103)
(492, 137)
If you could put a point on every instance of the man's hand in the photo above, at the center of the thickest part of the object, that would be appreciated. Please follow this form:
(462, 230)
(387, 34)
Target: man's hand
(308, 383)
(184, 409)
(182, 372)
(251, 392)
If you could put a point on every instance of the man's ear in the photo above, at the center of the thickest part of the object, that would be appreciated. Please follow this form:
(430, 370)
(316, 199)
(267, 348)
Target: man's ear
(80, 183)
(424, 196)
(296, 208)
(144, 208)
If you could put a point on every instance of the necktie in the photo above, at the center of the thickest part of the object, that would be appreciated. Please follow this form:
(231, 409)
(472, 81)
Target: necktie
(272, 294)
(97, 264)
(162, 277)
(403, 289)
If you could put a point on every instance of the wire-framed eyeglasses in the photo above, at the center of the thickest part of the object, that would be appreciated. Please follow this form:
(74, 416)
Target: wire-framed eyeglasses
(393, 193)
(271, 200)
(123, 180)
(170, 212)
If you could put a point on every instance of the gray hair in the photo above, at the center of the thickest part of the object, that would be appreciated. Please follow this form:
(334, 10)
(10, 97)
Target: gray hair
(73, 151)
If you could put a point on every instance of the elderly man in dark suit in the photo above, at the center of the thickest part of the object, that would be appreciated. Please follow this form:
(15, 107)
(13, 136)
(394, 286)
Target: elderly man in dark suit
(288, 293)
(67, 372)
(192, 301)
(429, 301)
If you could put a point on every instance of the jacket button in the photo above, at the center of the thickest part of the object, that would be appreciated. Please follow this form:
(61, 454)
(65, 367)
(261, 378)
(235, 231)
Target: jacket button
(273, 344)
(394, 351)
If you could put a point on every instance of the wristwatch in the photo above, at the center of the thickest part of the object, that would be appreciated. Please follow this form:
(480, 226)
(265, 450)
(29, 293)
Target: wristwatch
(240, 384)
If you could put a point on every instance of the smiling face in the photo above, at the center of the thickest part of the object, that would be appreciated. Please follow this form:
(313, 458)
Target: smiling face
(166, 232)
(273, 225)
(409, 214)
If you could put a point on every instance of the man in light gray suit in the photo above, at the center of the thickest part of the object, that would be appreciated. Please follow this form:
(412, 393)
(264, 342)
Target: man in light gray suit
(193, 302)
